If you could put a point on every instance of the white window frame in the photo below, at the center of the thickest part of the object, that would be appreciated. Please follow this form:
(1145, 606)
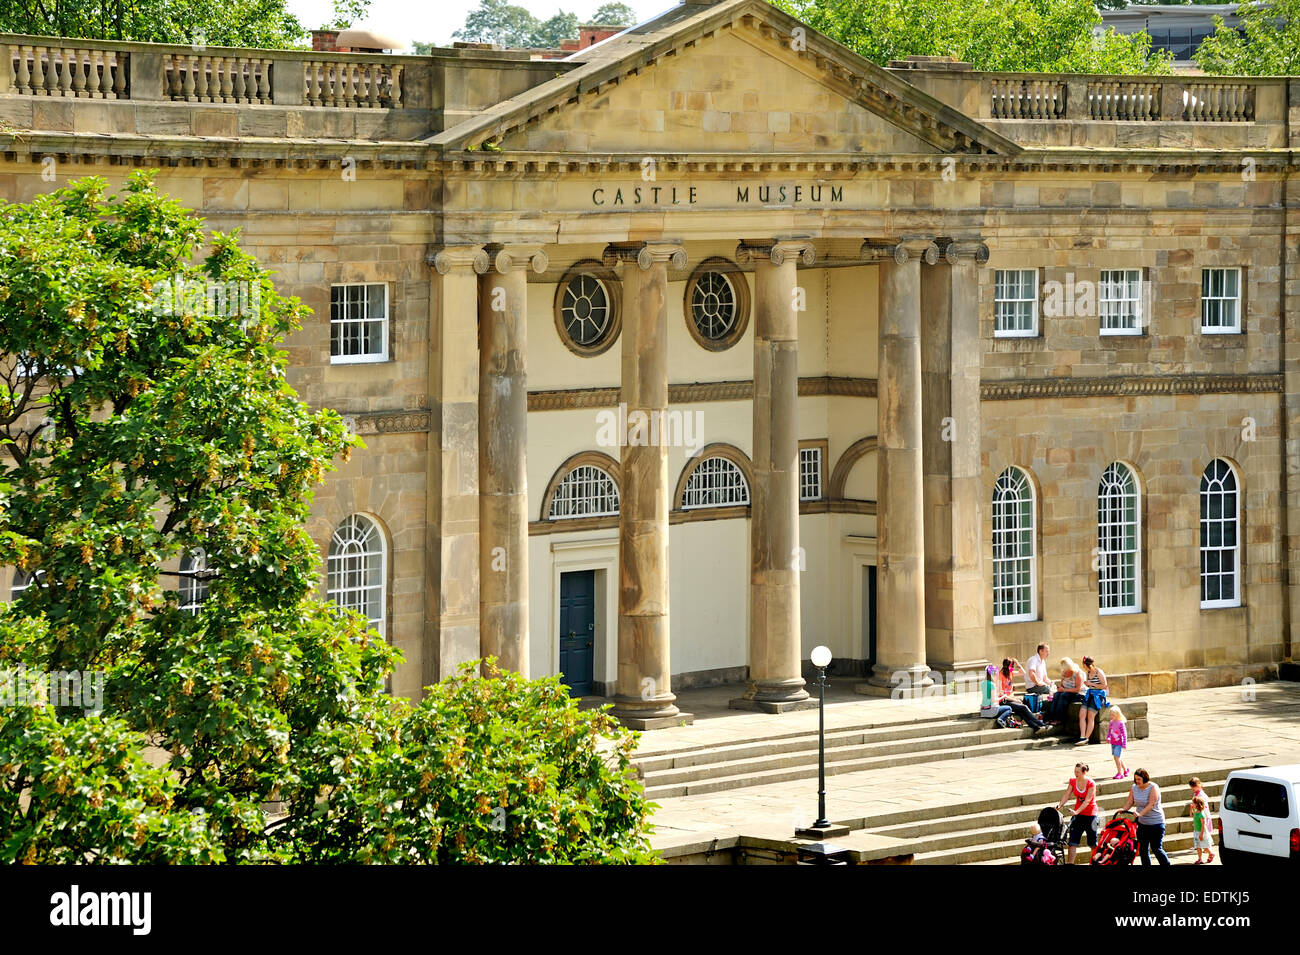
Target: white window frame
(1105, 524)
(603, 498)
(999, 283)
(1130, 282)
(194, 591)
(386, 324)
(811, 465)
(1235, 300)
(1015, 489)
(16, 589)
(717, 481)
(374, 545)
(1236, 521)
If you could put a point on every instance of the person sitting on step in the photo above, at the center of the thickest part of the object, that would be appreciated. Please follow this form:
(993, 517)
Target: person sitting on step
(1007, 696)
(989, 706)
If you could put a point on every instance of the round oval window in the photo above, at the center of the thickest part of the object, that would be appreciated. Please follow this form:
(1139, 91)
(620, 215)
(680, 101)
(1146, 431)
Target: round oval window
(585, 310)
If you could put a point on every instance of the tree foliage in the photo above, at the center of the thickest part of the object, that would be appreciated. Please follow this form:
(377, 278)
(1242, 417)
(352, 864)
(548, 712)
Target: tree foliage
(145, 413)
(1270, 45)
(508, 25)
(240, 23)
(1012, 35)
(614, 14)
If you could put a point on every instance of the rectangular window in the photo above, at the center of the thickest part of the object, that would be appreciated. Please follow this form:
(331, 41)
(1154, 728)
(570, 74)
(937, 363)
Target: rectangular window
(358, 323)
(1119, 301)
(810, 473)
(1015, 303)
(1220, 301)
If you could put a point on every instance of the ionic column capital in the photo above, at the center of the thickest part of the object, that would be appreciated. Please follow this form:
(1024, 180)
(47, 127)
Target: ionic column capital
(509, 258)
(967, 251)
(906, 248)
(646, 255)
(800, 247)
(454, 258)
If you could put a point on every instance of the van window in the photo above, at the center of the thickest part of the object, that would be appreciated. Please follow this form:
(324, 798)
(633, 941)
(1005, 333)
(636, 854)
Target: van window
(1257, 797)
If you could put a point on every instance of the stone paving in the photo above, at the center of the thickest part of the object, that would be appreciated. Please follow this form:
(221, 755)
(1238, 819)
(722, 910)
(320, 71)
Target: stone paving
(1191, 732)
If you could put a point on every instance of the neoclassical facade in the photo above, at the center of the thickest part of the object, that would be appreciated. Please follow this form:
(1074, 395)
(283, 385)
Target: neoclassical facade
(714, 342)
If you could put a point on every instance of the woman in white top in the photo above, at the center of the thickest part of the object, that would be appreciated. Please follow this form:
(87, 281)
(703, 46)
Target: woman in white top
(1069, 691)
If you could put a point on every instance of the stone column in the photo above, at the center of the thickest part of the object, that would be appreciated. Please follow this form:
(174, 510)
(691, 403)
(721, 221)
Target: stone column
(954, 492)
(502, 447)
(643, 696)
(451, 591)
(775, 651)
(900, 526)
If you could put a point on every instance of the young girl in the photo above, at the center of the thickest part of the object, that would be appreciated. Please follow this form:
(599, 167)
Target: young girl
(1202, 827)
(1117, 736)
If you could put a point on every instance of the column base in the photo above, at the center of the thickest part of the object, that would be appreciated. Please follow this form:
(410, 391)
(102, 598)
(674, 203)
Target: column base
(775, 696)
(773, 706)
(914, 682)
(637, 714)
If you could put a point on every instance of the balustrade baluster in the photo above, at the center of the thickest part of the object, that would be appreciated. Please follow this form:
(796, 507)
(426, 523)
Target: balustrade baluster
(24, 76)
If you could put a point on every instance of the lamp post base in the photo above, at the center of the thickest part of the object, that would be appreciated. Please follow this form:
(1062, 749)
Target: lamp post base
(831, 831)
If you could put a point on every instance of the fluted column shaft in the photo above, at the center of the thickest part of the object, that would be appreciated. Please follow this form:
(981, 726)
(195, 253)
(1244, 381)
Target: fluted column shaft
(502, 457)
(900, 529)
(775, 647)
(643, 697)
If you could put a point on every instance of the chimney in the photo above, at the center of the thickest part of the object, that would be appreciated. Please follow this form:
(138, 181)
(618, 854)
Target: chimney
(324, 41)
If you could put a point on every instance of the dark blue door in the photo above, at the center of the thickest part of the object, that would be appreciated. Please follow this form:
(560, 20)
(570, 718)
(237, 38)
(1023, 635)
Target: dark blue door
(578, 630)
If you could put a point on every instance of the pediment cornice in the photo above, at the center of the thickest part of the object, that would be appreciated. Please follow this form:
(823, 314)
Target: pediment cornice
(840, 70)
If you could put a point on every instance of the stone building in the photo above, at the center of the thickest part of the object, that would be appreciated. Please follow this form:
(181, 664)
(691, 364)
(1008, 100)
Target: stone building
(714, 342)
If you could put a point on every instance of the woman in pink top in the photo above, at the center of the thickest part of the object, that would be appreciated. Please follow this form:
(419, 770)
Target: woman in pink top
(1085, 822)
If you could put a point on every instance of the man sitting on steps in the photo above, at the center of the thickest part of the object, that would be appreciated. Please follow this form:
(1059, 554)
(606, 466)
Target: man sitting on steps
(1037, 682)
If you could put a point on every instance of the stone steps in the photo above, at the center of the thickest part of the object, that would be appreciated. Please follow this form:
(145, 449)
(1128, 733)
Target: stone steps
(788, 757)
(996, 834)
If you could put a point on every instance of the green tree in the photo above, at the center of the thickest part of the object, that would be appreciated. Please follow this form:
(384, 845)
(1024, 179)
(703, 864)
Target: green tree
(145, 413)
(614, 14)
(243, 23)
(1270, 46)
(549, 34)
(1013, 35)
(501, 770)
(497, 21)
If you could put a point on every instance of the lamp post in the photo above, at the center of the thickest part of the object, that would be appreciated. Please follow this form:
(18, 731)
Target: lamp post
(822, 828)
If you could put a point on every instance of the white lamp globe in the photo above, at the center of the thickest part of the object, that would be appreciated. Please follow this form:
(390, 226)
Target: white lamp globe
(821, 657)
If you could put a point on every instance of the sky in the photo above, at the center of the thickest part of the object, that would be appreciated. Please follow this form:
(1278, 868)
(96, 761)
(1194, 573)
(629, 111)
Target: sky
(434, 21)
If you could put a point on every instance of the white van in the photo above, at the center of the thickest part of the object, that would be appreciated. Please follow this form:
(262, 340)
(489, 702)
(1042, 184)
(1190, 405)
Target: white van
(1259, 818)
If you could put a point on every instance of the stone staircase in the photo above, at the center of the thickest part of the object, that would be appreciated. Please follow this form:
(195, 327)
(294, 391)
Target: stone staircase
(849, 749)
(993, 831)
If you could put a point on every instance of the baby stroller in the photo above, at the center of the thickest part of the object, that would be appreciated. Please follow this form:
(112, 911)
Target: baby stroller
(1117, 844)
(1051, 849)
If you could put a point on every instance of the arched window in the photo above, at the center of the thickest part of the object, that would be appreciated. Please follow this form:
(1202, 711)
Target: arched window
(716, 482)
(194, 581)
(586, 491)
(1015, 585)
(356, 569)
(1119, 540)
(22, 580)
(1220, 536)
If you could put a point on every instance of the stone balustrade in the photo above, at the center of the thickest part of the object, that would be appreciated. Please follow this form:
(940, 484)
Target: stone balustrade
(93, 69)
(1138, 98)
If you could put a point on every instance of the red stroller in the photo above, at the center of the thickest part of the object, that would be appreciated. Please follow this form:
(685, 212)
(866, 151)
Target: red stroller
(1118, 843)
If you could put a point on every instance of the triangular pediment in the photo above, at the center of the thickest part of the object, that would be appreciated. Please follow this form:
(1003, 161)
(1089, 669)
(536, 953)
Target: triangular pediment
(732, 78)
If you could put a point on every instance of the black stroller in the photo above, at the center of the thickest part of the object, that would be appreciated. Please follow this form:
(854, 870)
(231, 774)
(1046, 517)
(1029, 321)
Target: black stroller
(1051, 850)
